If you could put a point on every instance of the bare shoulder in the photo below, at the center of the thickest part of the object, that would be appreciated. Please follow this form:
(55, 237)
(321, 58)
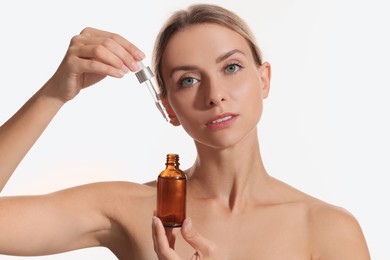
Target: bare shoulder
(152, 184)
(112, 188)
(110, 197)
(334, 232)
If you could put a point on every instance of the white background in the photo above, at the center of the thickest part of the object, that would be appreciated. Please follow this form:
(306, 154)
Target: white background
(325, 128)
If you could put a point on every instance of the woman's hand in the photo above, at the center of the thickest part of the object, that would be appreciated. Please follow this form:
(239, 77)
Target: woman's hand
(164, 241)
(92, 55)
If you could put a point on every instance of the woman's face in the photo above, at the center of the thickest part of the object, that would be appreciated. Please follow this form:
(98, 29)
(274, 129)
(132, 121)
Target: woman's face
(214, 87)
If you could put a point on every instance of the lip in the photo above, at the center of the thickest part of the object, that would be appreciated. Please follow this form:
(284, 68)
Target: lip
(221, 121)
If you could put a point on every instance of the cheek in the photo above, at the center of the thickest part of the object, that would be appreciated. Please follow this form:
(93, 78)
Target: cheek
(187, 117)
(248, 91)
(180, 108)
(250, 99)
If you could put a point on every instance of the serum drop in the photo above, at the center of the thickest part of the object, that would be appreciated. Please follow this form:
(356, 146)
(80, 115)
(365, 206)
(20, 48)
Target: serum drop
(171, 193)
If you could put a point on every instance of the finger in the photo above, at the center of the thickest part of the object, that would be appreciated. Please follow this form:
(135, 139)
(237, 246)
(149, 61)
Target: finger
(161, 244)
(130, 48)
(94, 66)
(104, 49)
(128, 58)
(158, 240)
(171, 234)
(203, 246)
(99, 53)
(94, 31)
(196, 256)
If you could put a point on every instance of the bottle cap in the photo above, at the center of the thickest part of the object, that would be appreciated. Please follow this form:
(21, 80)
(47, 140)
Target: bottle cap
(144, 74)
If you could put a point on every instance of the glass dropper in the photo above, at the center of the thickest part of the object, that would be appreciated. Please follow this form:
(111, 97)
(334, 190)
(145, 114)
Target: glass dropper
(144, 76)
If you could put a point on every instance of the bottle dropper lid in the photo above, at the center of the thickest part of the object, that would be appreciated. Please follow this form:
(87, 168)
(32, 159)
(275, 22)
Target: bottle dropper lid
(144, 73)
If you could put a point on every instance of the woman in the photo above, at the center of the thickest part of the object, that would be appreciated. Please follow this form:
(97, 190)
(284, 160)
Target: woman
(213, 82)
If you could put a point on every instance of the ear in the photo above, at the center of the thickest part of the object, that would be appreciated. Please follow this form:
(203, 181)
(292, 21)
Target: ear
(172, 116)
(265, 74)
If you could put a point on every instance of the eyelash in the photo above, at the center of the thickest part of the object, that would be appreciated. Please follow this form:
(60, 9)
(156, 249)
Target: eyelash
(238, 67)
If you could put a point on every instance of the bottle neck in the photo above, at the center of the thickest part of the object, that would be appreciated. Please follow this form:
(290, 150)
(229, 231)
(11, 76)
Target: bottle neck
(172, 161)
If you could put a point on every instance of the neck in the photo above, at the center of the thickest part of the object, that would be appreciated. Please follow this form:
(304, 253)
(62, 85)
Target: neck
(232, 176)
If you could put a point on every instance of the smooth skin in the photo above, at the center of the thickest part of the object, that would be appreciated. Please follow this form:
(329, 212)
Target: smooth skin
(235, 208)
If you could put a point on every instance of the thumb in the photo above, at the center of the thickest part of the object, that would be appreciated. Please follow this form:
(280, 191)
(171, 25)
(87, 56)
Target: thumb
(204, 247)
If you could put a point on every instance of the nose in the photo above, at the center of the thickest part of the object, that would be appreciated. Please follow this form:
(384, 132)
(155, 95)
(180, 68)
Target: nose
(215, 93)
(215, 100)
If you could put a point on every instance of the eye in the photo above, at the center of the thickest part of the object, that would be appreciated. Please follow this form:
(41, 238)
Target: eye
(188, 82)
(232, 68)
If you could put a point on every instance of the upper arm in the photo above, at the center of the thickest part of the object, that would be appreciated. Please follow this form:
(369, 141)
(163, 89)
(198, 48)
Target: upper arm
(336, 234)
(52, 223)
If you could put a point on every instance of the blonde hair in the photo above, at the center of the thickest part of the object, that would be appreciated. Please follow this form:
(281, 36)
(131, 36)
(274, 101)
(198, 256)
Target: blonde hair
(200, 14)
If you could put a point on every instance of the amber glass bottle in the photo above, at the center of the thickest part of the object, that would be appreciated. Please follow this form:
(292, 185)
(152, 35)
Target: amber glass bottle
(171, 193)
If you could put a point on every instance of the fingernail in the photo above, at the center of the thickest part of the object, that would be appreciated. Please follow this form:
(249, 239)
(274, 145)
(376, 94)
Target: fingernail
(134, 66)
(188, 224)
(139, 54)
(119, 73)
(125, 69)
(155, 220)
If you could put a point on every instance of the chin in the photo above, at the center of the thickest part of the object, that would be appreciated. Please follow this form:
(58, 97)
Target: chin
(226, 138)
(220, 141)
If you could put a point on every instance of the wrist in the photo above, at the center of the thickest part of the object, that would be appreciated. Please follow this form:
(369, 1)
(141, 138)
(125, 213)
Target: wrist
(49, 93)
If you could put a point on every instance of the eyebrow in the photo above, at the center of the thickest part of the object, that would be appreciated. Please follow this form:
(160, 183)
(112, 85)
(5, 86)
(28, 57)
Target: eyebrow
(179, 68)
(227, 55)
(217, 60)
